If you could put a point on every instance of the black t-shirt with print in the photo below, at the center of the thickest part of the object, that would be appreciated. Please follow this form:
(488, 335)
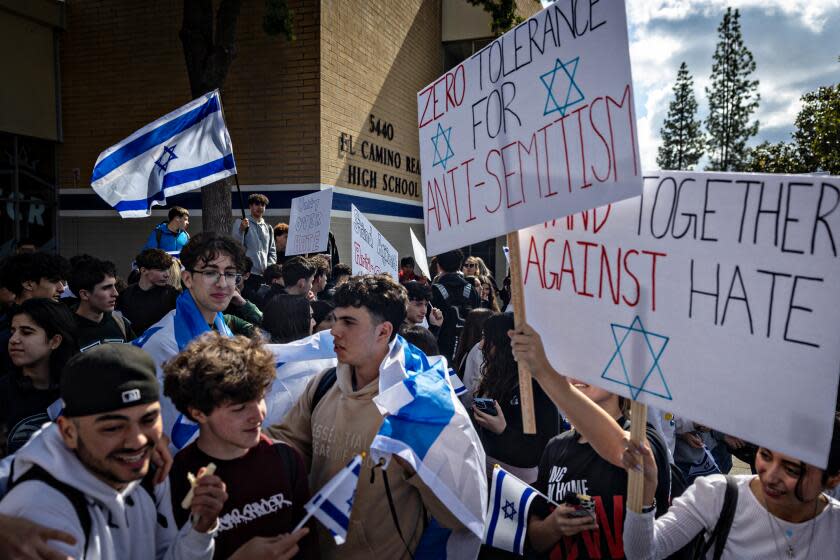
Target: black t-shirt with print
(144, 308)
(570, 467)
(90, 333)
(23, 409)
(265, 495)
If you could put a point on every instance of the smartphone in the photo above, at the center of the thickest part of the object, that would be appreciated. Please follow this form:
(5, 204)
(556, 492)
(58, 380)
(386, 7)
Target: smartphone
(584, 505)
(487, 406)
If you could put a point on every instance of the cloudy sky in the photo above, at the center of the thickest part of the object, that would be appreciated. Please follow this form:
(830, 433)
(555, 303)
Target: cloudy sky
(795, 44)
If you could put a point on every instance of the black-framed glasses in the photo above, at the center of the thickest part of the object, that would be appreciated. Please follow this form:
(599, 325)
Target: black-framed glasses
(212, 276)
(470, 265)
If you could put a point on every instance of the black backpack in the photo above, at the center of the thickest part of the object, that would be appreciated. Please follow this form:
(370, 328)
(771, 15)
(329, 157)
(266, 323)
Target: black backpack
(75, 496)
(456, 307)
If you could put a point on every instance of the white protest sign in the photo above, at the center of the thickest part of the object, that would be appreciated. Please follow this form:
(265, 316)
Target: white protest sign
(372, 254)
(309, 223)
(538, 124)
(714, 296)
(420, 255)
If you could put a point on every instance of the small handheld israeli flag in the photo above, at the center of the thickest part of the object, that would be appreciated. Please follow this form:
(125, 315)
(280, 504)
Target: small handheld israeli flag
(510, 501)
(184, 150)
(333, 503)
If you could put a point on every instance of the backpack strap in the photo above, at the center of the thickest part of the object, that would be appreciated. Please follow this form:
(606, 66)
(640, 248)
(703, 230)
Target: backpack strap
(727, 513)
(120, 321)
(158, 236)
(73, 495)
(324, 384)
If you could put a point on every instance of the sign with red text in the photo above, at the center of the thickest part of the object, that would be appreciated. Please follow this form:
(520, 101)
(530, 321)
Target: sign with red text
(372, 254)
(713, 296)
(309, 223)
(538, 124)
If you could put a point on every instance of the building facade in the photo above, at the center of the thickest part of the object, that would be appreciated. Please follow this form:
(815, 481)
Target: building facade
(335, 107)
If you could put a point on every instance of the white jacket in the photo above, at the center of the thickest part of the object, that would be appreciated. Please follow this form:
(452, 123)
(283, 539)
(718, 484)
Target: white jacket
(124, 524)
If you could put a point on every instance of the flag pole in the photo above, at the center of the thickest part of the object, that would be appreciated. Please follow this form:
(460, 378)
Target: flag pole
(241, 206)
(526, 393)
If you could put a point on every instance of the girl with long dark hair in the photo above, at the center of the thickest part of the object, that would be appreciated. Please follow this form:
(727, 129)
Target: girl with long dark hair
(500, 424)
(41, 342)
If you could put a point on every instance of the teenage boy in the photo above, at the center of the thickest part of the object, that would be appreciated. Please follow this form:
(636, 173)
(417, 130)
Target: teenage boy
(298, 276)
(95, 284)
(257, 236)
(418, 311)
(344, 421)
(281, 237)
(220, 383)
(82, 475)
(213, 265)
(171, 235)
(322, 274)
(152, 297)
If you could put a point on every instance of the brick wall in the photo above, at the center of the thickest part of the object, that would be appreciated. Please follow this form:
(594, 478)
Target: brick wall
(122, 67)
(375, 57)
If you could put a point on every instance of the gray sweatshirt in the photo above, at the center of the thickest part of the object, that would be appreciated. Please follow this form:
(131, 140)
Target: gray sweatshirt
(124, 524)
(259, 243)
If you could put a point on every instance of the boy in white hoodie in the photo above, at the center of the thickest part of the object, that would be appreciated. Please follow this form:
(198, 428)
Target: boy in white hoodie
(82, 475)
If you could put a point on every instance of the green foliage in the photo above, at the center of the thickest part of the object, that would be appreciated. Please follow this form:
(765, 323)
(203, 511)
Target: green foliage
(733, 97)
(279, 19)
(682, 139)
(781, 157)
(503, 13)
(818, 129)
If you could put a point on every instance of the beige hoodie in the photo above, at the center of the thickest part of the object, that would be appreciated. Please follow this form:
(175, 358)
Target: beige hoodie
(344, 424)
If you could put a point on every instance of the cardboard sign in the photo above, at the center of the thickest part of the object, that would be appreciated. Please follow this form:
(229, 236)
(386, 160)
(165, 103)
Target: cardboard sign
(309, 223)
(420, 255)
(713, 296)
(536, 125)
(372, 254)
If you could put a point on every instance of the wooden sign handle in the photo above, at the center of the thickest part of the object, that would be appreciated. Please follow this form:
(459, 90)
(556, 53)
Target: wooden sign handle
(636, 479)
(526, 393)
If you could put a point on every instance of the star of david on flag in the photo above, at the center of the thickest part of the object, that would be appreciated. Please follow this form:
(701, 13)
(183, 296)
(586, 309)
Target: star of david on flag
(333, 503)
(184, 150)
(445, 136)
(510, 500)
(651, 381)
(562, 83)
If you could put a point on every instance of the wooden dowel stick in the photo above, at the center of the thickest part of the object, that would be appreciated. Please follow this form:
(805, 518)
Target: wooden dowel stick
(526, 393)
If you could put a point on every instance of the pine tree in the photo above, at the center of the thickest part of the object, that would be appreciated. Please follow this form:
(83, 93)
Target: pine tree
(733, 97)
(682, 139)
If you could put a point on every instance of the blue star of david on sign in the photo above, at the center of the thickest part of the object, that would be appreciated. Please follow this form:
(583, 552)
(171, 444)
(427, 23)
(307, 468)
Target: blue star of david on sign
(166, 158)
(651, 384)
(446, 135)
(509, 510)
(573, 93)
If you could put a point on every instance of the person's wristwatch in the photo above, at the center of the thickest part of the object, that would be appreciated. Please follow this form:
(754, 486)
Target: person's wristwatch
(650, 508)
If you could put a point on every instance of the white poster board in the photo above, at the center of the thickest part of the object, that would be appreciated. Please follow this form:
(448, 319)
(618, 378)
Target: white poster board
(714, 296)
(309, 223)
(372, 254)
(420, 258)
(538, 124)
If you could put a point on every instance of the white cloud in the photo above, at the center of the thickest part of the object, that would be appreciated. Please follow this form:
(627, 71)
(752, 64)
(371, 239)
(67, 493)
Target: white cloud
(812, 14)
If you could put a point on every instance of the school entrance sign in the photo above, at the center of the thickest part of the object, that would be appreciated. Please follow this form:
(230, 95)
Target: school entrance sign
(713, 295)
(536, 125)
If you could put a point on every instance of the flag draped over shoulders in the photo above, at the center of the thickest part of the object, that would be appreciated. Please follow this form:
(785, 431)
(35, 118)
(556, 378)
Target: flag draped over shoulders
(426, 425)
(184, 150)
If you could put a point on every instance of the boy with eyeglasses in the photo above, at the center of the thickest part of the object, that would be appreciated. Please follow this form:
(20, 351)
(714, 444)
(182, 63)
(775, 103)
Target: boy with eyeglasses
(213, 266)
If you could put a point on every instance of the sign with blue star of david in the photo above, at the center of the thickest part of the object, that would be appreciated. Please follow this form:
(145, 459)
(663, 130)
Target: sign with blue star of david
(653, 381)
(565, 82)
(509, 510)
(448, 154)
(166, 158)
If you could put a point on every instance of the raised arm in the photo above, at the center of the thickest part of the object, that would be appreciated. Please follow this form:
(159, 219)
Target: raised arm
(603, 433)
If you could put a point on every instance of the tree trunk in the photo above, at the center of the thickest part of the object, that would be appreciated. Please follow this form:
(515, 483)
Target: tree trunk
(208, 60)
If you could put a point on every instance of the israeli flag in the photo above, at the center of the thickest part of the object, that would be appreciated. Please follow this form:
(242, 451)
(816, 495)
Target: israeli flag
(427, 426)
(333, 503)
(511, 500)
(296, 362)
(184, 150)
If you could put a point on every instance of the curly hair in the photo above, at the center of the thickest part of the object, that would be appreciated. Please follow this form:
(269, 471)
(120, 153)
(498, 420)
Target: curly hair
(214, 370)
(156, 259)
(384, 298)
(207, 246)
(499, 372)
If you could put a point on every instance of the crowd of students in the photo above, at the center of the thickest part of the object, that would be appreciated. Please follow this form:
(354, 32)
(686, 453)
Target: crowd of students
(89, 423)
